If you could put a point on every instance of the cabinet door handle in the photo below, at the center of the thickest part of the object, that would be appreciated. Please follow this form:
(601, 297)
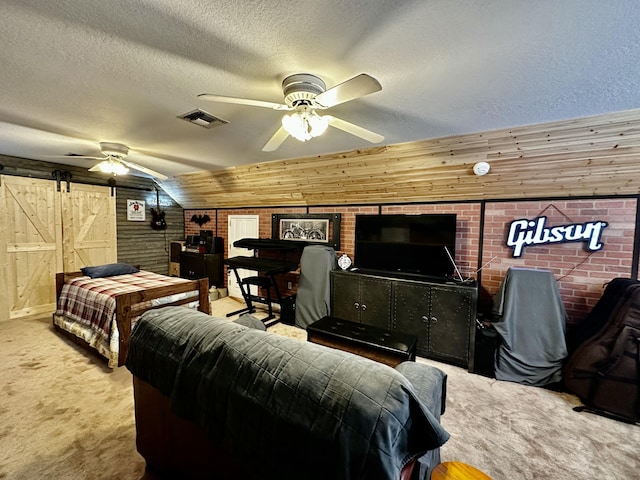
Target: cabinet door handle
(364, 307)
(356, 305)
(434, 320)
(425, 319)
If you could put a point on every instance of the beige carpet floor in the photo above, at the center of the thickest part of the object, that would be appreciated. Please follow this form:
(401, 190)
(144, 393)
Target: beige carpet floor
(65, 415)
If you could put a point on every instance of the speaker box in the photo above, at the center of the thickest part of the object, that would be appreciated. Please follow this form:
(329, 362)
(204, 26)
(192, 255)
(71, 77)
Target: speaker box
(213, 245)
(288, 310)
(174, 251)
(487, 340)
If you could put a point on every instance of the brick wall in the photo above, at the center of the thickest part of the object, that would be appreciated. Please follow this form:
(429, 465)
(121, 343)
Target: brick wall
(347, 224)
(221, 229)
(192, 228)
(581, 274)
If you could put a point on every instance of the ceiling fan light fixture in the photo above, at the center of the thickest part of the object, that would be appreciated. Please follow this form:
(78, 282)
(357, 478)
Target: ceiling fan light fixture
(113, 167)
(305, 124)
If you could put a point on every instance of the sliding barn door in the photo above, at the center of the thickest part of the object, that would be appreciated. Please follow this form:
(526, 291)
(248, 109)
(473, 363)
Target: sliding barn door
(30, 246)
(89, 226)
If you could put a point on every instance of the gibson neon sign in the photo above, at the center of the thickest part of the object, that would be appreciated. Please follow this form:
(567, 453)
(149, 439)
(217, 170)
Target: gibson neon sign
(524, 233)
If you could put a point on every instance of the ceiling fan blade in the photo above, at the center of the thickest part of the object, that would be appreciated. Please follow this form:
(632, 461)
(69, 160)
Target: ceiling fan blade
(73, 155)
(96, 167)
(243, 101)
(142, 169)
(355, 87)
(354, 129)
(274, 142)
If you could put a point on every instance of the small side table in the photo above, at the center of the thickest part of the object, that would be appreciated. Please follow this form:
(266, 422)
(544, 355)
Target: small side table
(457, 471)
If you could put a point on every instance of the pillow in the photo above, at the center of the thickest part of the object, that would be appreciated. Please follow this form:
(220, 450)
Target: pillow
(109, 270)
(250, 321)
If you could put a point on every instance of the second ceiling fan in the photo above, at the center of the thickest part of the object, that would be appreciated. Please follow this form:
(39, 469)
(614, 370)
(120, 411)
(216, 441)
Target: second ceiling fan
(304, 94)
(113, 161)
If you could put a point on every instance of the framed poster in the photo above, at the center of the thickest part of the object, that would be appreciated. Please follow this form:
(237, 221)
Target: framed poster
(136, 211)
(310, 228)
(299, 229)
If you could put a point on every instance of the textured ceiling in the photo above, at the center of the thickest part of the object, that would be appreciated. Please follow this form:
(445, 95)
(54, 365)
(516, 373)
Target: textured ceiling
(77, 72)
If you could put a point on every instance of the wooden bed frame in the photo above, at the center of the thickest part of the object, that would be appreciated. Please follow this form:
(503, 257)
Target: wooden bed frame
(125, 302)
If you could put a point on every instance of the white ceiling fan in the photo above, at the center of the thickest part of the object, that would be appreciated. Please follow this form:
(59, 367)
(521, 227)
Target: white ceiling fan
(113, 161)
(305, 93)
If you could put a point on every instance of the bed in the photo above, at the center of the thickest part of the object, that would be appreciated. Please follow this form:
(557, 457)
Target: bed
(98, 310)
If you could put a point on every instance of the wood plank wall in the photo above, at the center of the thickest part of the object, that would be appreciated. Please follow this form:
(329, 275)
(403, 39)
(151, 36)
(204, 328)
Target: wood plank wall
(137, 242)
(583, 157)
(24, 167)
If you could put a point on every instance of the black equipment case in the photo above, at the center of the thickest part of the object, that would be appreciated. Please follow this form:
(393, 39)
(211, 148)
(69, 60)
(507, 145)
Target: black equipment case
(604, 367)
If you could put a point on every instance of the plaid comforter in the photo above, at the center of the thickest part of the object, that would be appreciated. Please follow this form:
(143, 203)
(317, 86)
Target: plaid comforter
(91, 301)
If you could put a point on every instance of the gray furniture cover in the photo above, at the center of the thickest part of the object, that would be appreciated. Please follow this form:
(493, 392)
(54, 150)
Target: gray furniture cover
(531, 319)
(282, 402)
(313, 299)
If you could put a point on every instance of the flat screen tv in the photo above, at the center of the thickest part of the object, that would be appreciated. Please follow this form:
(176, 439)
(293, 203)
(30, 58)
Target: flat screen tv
(411, 244)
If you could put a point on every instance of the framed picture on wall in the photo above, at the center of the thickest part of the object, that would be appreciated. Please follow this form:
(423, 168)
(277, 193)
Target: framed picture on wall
(300, 229)
(136, 211)
(310, 228)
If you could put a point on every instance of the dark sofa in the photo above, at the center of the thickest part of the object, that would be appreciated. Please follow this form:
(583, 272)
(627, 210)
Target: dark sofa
(215, 399)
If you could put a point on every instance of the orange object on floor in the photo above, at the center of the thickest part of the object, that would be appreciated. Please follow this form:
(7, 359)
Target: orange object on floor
(457, 471)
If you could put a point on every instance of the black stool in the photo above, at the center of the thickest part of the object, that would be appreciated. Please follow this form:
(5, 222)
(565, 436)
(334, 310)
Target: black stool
(260, 282)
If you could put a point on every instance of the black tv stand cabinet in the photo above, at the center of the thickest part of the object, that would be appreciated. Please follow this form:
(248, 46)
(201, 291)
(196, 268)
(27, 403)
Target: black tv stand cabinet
(440, 312)
(411, 276)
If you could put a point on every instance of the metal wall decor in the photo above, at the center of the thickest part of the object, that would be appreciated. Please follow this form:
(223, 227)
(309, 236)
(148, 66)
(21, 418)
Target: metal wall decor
(200, 219)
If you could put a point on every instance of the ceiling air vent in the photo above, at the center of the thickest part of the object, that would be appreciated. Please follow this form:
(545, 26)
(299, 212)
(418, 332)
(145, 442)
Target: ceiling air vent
(202, 118)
